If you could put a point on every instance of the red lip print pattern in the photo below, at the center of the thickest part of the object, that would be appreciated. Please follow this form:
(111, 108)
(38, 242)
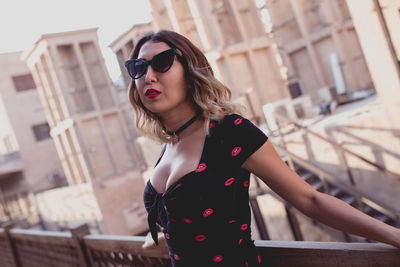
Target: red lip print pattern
(200, 238)
(176, 257)
(246, 263)
(232, 221)
(243, 227)
(246, 183)
(240, 241)
(236, 151)
(188, 221)
(208, 212)
(238, 121)
(259, 259)
(201, 167)
(229, 181)
(167, 236)
(212, 124)
(218, 258)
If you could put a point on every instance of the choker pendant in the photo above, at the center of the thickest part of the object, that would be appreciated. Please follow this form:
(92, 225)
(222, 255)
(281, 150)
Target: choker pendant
(175, 139)
(174, 135)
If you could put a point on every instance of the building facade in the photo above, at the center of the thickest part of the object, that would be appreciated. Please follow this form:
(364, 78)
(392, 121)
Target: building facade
(377, 23)
(90, 127)
(320, 47)
(29, 163)
(123, 47)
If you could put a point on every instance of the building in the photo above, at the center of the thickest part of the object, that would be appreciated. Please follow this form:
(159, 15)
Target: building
(376, 22)
(123, 46)
(93, 132)
(29, 162)
(319, 47)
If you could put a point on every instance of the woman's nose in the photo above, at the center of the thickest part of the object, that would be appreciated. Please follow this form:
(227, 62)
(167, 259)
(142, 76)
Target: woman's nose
(150, 75)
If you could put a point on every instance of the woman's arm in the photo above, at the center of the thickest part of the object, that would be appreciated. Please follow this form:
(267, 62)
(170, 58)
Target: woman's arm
(268, 166)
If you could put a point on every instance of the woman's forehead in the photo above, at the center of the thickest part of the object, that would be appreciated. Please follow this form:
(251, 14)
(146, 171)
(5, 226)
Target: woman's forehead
(150, 49)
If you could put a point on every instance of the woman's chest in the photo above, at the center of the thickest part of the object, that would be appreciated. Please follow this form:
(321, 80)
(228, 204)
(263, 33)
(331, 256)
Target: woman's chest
(176, 163)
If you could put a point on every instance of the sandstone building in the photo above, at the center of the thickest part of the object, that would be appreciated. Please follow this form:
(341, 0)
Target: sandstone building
(90, 125)
(28, 161)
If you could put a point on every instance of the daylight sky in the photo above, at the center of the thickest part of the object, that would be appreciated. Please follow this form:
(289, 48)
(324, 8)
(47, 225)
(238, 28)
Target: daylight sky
(23, 21)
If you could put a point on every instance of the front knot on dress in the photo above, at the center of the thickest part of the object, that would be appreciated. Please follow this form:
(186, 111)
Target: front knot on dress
(152, 217)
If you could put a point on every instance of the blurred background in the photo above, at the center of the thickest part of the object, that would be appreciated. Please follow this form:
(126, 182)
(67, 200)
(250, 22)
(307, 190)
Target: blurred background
(320, 77)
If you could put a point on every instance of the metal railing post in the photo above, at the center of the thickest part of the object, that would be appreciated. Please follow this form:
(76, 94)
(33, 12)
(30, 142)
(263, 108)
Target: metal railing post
(294, 224)
(346, 165)
(77, 233)
(10, 245)
(262, 228)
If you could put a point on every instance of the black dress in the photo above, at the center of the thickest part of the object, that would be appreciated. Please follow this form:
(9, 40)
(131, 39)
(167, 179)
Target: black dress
(205, 215)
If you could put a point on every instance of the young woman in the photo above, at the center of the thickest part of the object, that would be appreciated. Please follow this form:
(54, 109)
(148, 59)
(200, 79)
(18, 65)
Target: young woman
(198, 192)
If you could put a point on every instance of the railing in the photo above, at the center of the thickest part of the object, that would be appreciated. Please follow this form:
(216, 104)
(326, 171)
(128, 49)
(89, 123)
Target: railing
(326, 183)
(327, 177)
(361, 195)
(24, 248)
(344, 151)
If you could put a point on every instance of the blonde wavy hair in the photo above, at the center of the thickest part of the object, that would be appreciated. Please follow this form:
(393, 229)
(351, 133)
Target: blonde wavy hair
(210, 98)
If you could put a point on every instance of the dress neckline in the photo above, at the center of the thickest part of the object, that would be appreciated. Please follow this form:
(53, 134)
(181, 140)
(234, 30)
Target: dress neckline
(172, 186)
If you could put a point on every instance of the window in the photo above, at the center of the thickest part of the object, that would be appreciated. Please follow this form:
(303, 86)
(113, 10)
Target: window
(41, 131)
(24, 82)
(295, 89)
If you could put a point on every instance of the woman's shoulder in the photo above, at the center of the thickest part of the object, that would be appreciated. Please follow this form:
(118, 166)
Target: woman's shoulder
(233, 119)
(232, 124)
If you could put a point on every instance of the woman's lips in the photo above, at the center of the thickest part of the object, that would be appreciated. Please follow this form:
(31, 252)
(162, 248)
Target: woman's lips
(152, 93)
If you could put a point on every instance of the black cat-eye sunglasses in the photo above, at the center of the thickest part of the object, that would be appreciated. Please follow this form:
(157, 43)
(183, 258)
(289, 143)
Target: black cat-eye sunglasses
(161, 62)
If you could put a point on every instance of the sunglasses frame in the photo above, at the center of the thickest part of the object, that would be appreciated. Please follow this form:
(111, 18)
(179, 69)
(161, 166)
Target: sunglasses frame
(175, 52)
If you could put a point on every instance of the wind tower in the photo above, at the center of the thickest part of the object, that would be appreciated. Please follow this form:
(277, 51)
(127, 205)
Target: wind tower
(90, 124)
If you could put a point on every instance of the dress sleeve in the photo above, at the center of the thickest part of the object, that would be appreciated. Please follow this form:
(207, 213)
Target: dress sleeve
(240, 138)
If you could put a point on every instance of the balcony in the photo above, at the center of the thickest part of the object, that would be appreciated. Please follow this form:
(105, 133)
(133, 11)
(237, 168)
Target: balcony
(10, 163)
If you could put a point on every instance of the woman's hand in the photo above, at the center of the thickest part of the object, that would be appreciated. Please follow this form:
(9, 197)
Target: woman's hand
(150, 244)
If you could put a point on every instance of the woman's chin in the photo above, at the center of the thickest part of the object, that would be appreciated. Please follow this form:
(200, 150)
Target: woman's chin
(155, 110)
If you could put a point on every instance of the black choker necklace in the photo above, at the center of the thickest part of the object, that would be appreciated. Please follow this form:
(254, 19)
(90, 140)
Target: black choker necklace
(183, 127)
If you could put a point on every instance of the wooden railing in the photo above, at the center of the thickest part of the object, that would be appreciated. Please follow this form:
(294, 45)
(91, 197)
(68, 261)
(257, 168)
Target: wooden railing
(23, 248)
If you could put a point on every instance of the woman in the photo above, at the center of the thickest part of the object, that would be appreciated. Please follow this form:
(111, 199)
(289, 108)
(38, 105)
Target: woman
(198, 192)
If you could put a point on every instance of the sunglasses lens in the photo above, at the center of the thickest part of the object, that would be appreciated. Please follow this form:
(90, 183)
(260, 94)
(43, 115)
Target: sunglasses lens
(137, 68)
(163, 61)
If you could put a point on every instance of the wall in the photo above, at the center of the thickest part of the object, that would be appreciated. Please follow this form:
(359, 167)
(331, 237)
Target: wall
(25, 110)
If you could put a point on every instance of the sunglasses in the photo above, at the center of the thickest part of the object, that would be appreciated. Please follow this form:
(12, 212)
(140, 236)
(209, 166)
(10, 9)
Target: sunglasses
(161, 62)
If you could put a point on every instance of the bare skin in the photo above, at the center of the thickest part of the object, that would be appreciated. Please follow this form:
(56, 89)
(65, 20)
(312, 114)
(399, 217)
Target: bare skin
(179, 159)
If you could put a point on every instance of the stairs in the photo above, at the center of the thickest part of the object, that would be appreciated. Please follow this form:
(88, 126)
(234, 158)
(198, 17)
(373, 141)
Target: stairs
(340, 191)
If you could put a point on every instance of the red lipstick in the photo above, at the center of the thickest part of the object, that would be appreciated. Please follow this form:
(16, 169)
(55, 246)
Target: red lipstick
(152, 93)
